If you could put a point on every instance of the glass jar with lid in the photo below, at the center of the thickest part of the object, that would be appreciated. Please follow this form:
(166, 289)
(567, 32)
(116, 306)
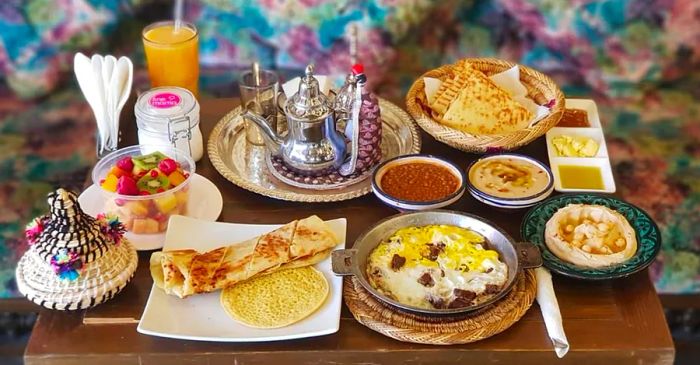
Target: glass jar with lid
(170, 115)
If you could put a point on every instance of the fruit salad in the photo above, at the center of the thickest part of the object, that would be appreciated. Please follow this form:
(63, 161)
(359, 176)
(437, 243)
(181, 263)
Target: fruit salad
(155, 175)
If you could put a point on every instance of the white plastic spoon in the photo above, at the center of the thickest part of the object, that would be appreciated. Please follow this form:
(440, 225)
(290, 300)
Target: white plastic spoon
(107, 72)
(115, 91)
(124, 72)
(108, 68)
(82, 67)
(96, 62)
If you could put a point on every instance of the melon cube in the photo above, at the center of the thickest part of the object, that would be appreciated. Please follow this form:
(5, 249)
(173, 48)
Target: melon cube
(128, 223)
(145, 225)
(138, 208)
(182, 196)
(176, 178)
(166, 203)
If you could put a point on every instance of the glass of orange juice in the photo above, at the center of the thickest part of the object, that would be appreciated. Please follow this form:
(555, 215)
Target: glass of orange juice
(172, 56)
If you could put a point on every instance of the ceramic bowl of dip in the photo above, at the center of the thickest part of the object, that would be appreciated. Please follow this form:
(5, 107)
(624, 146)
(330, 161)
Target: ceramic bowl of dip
(509, 180)
(508, 206)
(418, 182)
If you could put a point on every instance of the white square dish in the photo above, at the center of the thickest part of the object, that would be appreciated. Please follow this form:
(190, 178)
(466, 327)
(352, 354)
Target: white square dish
(589, 106)
(595, 134)
(201, 317)
(602, 163)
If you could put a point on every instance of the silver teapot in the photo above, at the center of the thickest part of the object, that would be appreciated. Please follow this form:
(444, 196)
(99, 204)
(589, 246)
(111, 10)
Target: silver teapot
(313, 145)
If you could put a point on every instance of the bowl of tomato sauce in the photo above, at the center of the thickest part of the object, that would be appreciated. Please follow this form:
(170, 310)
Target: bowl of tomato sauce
(418, 182)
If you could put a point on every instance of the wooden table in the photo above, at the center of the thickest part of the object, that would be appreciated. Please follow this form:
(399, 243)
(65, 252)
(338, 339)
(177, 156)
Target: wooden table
(613, 322)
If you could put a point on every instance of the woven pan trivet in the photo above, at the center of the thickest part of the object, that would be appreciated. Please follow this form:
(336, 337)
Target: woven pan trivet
(432, 330)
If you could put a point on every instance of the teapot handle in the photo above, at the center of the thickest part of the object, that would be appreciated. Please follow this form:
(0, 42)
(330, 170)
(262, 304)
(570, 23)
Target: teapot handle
(348, 168)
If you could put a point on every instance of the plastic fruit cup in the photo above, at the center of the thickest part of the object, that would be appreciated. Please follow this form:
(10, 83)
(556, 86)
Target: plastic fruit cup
(146, 214)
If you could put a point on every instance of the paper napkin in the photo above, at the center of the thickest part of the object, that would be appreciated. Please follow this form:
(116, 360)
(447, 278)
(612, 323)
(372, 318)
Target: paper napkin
(550, 311)
(509, 80)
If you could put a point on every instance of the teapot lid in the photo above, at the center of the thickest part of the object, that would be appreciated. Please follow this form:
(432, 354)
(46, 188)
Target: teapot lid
(308, 102)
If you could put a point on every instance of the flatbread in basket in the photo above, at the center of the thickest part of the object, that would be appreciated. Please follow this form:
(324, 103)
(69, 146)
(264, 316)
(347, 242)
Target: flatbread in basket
(471, 102)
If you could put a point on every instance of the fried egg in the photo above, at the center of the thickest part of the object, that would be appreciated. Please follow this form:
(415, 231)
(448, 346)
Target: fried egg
(436, 266)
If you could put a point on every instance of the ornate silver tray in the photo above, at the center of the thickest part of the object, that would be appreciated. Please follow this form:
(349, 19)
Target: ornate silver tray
(244, 164)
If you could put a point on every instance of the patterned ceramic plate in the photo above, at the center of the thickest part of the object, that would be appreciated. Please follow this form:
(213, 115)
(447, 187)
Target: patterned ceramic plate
(648, 236)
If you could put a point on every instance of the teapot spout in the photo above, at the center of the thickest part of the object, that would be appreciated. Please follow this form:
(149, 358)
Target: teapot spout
(273, 141)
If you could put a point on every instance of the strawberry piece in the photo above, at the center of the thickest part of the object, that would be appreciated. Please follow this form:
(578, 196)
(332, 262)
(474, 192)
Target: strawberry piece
(127, 186)
(126, 164)
(144, 192)
(154, 173)
(167, 166)
(160, 217)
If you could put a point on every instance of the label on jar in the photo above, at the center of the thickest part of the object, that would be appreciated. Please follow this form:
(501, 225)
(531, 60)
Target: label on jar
(164, 100)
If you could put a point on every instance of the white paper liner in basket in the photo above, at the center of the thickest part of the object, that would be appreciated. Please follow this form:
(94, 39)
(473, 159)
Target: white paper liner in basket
(101, 279)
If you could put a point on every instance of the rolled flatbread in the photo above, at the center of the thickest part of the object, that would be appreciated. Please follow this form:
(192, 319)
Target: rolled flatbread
(296, 244)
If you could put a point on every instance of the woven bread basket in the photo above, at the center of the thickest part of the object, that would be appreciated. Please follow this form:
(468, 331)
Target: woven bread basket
(540, 87)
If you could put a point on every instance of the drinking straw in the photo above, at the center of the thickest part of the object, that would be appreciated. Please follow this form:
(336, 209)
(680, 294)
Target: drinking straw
(256, 73)
(178, 15)
(353, 44)
(256, 81)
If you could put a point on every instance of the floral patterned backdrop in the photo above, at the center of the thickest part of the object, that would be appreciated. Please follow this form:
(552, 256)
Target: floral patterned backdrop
(639, 59)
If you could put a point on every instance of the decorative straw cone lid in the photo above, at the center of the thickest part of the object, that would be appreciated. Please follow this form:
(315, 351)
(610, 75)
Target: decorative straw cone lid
(75, 261)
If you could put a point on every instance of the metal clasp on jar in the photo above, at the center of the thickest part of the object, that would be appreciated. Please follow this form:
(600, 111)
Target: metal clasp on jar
(176, 134)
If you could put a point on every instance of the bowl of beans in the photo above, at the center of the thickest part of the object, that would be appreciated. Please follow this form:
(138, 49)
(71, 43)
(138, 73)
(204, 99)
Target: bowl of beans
(418, 182)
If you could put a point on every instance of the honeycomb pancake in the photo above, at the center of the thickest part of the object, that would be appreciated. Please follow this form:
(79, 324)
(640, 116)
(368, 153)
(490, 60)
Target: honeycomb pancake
(590, 235)
(484, 108)
(276, 300)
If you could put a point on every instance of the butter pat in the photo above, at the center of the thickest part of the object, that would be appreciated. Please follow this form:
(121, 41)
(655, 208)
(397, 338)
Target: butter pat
(575, 146)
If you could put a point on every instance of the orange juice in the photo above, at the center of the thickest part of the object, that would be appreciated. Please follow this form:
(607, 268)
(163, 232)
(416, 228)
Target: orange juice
(172, 57)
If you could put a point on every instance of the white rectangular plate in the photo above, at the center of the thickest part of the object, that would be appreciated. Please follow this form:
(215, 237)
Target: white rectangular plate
(201, 317)
(601, 159)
